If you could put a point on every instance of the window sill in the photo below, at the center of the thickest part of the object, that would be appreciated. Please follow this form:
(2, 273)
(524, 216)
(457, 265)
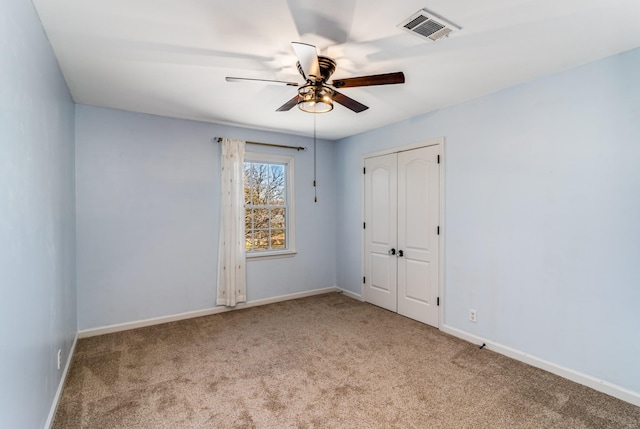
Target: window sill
(270, 255)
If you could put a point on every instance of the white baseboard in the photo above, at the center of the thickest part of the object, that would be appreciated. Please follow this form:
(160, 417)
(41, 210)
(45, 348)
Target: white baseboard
(199, 313)
(350, 294)
(578, 377)
(65, 372)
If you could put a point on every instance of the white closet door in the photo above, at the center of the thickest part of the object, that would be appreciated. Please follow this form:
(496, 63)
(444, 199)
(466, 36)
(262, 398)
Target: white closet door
(418, 241)
(381, 210)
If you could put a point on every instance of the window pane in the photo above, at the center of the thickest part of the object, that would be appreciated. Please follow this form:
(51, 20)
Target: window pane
(277, 218)
(278, 239)
(256, 183)
(248, 240)
(261, 240)
(247, 182)
(261, 218)
(248, 224)
(276, 184)
(277, 196)
(261, 179)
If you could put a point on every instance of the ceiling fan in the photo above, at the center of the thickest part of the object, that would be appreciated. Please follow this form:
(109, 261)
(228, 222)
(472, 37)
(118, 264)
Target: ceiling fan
(318, 94)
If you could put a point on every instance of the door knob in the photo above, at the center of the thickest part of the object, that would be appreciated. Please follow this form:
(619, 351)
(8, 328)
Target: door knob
(400, 253)
(392, 252)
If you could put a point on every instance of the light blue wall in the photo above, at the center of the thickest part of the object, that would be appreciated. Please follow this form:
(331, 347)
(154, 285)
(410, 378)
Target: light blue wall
(542, 215)
(148, 215)
(37, 271)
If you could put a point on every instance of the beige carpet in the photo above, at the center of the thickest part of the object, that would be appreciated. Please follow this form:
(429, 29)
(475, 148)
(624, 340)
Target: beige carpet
(322, 362)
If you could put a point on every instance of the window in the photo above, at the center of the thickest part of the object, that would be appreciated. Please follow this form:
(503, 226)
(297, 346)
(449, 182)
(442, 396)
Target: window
(268, 202)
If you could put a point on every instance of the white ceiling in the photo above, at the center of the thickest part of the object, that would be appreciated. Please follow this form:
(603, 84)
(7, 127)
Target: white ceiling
(170, 57)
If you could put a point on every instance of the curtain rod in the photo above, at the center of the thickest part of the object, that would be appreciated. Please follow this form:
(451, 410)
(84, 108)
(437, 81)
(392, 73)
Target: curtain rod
(298, 148)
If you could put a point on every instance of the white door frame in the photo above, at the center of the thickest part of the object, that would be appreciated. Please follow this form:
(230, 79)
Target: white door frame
(438, 141)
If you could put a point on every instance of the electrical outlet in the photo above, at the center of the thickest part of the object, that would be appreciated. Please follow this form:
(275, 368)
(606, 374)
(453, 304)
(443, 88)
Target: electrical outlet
(59, 358)
(473, 316)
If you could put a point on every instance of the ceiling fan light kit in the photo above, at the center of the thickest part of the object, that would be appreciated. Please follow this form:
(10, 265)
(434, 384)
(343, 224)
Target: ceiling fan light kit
(315, 98)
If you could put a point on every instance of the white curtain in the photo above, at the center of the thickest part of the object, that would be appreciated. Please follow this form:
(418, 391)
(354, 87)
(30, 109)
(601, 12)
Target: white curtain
(232, 277)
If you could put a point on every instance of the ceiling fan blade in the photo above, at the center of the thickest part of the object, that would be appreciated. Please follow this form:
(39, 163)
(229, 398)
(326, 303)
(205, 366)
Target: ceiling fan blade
(349, 103)
(376, 79)
(308, 58)
(267, 81)
(288, 105)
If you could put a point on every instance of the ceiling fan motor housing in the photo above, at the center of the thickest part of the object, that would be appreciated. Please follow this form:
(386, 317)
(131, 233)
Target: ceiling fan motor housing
(327, 67)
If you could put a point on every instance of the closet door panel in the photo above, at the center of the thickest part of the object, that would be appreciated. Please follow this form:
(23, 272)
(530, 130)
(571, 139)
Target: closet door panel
(381, 211)
(418, 217)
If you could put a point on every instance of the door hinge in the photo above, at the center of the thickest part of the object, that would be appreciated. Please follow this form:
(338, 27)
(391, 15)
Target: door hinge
(438, 301)
(438, 229)
(364, 280)
(438, 159)
(364, 170)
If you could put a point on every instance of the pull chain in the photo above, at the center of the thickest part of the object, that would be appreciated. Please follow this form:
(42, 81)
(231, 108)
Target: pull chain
(315, 188)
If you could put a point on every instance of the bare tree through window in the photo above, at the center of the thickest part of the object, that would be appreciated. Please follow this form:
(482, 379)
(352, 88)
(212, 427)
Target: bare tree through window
(265, 202)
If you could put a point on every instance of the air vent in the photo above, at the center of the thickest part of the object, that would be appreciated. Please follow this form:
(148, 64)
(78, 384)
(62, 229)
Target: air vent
(427, 25)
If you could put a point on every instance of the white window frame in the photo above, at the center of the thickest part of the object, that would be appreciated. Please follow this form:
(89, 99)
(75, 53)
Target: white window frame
(290, 229)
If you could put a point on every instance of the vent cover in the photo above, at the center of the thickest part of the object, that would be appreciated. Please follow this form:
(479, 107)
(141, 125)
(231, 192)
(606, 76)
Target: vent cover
(428, 25)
